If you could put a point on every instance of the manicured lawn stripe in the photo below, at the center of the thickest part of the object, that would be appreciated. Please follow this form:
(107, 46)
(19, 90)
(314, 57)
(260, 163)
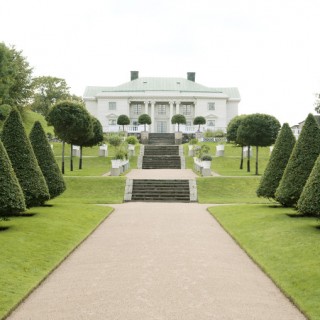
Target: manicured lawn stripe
(285, 247)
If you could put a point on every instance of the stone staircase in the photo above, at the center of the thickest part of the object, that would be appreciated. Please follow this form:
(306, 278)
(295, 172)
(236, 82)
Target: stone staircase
(161, 138)
(161, 157)
(161, 190)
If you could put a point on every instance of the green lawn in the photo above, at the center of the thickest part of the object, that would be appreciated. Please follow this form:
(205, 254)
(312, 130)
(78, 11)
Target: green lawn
(287, 248)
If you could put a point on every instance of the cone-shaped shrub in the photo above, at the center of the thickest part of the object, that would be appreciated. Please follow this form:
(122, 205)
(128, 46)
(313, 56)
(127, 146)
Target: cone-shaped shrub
(300, 164)
(309, 202)
(277, 163)
(24, 162)
(46, 160)
(11, 195)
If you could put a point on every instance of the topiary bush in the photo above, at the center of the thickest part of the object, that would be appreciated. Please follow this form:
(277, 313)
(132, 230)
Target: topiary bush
(144, 119)
(47, 161)
(178, 119)
(132, 140)
(300, 164)
(277, 163)
(309, 201)
(24, 161)
(5, 109)
(123, 120)
(11, 195)
(199, 121)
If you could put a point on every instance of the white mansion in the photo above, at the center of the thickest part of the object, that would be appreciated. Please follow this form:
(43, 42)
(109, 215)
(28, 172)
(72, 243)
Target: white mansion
(162, 98)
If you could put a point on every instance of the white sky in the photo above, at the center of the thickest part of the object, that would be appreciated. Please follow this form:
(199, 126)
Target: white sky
(269, 49)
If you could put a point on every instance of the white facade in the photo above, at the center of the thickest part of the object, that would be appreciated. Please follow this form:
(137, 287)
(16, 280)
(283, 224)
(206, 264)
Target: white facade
(161, 98)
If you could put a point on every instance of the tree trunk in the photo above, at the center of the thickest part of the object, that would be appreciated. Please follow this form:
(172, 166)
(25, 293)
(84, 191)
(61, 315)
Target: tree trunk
(248, 161)
(257, 160)
(62, 164)
(80, 160)
(71, 158)
(241, 161)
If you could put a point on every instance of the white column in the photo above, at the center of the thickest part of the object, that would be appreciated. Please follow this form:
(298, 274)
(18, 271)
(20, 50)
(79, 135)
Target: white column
(152, 126)
(146, 105)
(170, 116)
(177, 107)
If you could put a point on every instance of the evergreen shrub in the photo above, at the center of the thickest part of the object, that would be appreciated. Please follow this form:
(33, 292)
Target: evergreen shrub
(300, 164)
(277, 163)
(11, 195)
(47, 161)
(24, 161)
(309, 201)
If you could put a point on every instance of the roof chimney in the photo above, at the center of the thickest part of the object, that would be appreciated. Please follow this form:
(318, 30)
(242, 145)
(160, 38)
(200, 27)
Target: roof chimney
(134, 75)
(191, 76)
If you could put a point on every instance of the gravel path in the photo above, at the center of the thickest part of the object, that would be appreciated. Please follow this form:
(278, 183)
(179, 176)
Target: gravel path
(162, 261)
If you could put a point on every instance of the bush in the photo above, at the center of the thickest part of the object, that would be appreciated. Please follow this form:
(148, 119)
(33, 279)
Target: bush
(309, 201)
(114, 140)
(178, 119)
(5, 109)
(24, 161)
(11, 195)
(214, 134)
(123, 120)
(132, 140)
(199, 121)
(277, 163)
(206, 157)
(193, 141)
(300, 164)
(47, 161)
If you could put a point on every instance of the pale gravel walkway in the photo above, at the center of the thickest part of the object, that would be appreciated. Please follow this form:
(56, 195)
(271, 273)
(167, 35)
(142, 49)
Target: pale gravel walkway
(162, 261)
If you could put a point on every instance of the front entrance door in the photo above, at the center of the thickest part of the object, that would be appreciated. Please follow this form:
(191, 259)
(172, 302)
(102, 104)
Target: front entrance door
(161, 126)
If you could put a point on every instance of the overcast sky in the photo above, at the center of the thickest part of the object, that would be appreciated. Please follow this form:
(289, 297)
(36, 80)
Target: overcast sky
(269, 49)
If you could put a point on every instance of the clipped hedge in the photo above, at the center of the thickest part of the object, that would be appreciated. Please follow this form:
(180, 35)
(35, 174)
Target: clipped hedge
(46, 160)
(309, 202)
(277, 163)
(11, 195)
(24, 161)
(300, 164)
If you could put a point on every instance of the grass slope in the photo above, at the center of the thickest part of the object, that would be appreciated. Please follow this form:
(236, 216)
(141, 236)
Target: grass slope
(285, 247)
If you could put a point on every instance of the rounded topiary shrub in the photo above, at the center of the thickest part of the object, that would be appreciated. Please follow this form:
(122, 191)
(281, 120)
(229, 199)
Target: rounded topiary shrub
(309, 202)
(144, 119)
(277, 163)
(123, 120)
(47, 161)
(11, 195)
(24, 162)
(300, 164)
(132, 140)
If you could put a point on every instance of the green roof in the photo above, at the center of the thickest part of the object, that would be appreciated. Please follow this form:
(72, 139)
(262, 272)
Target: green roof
(161, 84)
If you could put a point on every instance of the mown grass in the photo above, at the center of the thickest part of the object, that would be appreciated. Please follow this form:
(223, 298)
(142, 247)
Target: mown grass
(228, 190)
(285, 246)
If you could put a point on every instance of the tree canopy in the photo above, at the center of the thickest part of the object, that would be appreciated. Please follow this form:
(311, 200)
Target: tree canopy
(15, 77)
(199, 121)
(259, 130)
(47, 91)
(123, 120)
(178, 119)
(144, 119)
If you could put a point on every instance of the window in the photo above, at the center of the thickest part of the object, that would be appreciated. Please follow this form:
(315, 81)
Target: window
(112, 105)
(135, 122)
(189, 124)
(161, 109)
(211, 106)
(186, 109)
(211, 123)
(112, 122)
(136, 108)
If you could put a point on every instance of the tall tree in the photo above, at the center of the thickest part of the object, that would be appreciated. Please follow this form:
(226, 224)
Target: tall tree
(48, 91)
(277, 163)
(71, 122)
(300, 164)
(178, 119)
(259, 130)
(11, 195)
(47, 161)
(232, 131)
(15, 77)
(24, 161)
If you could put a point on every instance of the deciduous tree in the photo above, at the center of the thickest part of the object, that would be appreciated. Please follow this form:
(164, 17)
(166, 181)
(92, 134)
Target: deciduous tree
(144, 119)
(123, 120)
(178, 119)
(199, 121)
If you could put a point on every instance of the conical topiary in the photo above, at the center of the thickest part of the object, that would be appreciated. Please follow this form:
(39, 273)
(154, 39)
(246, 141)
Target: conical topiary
(24, 161)
(277, 163)
(309, 202)
(11, 195)
(46, 160)
(300, 164)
